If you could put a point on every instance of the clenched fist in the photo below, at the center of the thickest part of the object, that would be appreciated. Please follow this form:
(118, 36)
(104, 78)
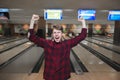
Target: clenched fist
(35, 17)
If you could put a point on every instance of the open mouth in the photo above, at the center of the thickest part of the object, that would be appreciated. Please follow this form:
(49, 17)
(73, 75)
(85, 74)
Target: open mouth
(56, 37)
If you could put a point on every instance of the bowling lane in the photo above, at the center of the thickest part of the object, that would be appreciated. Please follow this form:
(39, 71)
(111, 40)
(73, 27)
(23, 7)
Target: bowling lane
(2, 39)
(10, 45)
(103, 39)
(11, 40)
(7, 55)
(91, 62)
(24, 63)
(108, 53)
(105, 45)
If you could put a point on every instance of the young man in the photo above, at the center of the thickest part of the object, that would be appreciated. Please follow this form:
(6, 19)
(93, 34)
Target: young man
(57, 52)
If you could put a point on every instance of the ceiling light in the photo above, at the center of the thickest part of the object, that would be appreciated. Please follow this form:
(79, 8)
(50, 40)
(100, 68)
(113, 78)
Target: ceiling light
(103, 10)
(68, 10)
(15, 9)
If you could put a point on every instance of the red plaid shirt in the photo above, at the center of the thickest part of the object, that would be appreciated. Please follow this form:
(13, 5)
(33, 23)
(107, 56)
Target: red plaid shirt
(57, 55)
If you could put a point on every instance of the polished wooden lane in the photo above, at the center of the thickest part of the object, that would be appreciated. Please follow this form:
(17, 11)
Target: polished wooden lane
(85, 76)
(98, 70)
(92, 63)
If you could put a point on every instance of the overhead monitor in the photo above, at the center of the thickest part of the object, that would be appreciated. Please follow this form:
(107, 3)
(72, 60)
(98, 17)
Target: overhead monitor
(114, 15)
(53, 14)
(88, 14)
(4, 14)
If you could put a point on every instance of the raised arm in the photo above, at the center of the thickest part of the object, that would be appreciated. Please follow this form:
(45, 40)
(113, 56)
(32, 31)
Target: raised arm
(82, 20)
(31, 34)
(32, 22)
(74, 41)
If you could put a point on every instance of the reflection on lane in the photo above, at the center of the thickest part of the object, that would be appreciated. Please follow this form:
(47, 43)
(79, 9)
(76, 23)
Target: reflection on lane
(110, 54)
(11, 40)
(103, 39)
(24, 63)
(7, 46)
(91, 62)
(105, 45)
(7, 55)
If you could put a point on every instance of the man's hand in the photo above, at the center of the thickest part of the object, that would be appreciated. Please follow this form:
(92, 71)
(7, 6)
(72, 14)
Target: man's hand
(81, 19)
(35, 17)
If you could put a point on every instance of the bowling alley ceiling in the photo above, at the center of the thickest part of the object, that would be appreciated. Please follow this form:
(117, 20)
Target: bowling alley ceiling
(22, 10)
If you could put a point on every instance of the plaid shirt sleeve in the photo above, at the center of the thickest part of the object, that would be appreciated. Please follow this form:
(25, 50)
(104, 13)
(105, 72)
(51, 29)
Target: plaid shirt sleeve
(37, 40)
(74, 41)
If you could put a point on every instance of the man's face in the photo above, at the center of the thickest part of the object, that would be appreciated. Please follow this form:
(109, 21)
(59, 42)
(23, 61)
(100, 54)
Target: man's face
(57, 35)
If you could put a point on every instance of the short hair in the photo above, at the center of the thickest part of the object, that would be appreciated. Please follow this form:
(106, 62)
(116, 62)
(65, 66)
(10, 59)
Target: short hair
(58, 27)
